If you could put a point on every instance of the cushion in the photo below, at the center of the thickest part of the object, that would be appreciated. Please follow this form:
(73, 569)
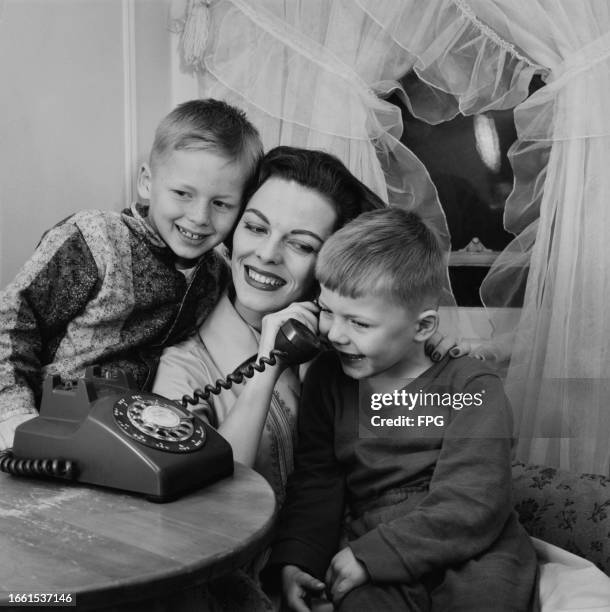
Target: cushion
(566, 509)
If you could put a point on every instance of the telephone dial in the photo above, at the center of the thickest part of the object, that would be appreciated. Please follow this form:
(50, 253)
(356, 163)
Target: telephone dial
(100, 430)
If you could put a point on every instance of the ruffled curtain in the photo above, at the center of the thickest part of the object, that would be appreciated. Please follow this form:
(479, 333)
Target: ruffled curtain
(480, 55)
(314, 73)
(560, 362)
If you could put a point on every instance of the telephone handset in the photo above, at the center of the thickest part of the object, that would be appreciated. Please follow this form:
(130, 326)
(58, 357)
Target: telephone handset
(100, 430)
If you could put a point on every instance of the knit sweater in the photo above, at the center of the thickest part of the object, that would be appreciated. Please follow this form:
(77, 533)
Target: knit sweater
(101, 288)
(451, 485)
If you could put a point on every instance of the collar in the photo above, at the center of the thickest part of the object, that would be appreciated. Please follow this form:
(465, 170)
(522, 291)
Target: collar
(136, 218)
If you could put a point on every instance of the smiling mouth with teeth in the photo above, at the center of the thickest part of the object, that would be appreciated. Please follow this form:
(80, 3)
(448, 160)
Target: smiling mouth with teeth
(263, 278)
(191, 235)
(350, 356)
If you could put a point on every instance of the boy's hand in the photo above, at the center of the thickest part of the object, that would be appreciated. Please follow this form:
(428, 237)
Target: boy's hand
(298, 586)
(344, 573)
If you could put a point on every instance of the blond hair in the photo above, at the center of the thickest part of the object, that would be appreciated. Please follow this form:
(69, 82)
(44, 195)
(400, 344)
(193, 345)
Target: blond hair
(208, 124)
(389, 252)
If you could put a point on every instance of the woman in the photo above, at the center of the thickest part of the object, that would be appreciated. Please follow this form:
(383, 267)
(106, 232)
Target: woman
(300, 197)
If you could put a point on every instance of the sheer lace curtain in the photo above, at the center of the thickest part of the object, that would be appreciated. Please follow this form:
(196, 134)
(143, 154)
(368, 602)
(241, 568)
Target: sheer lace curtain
(311, 73)
(483, 53)
(561, 360)
(314, 73)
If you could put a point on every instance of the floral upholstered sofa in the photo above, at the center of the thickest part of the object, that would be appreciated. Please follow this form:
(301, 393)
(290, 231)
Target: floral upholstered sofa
(566, 509)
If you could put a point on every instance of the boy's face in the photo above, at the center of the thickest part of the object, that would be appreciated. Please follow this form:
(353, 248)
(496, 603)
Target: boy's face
(373, 336)
(195, 198)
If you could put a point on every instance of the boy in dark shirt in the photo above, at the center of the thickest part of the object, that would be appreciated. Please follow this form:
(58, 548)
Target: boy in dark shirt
(418, 452)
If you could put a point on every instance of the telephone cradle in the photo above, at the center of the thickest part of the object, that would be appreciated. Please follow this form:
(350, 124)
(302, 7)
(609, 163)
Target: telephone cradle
(100, 430)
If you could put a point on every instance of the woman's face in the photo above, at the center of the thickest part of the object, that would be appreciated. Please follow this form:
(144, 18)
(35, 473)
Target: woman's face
(275, 246)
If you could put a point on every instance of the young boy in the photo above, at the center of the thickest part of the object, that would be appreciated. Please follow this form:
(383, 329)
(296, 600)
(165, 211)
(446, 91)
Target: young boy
(418, 452)
(113, 288)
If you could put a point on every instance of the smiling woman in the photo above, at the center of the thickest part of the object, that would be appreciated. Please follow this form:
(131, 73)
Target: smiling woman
(300, 197)
(275, 247)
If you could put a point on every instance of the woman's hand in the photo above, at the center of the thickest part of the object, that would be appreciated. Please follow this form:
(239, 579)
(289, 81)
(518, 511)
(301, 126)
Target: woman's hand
(437, 346)
(305, 312)
(497, 350)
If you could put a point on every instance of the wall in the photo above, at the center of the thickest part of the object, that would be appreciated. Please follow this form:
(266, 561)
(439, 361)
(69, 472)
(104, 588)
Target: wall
(83, 84)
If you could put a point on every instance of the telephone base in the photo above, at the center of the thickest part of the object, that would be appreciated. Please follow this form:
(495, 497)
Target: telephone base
(113, 436)
(154, 499)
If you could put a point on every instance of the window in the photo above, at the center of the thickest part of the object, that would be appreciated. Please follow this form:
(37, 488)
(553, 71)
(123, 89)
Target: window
(467, 161)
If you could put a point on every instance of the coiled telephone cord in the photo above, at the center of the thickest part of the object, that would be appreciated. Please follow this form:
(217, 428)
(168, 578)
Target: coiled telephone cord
(246, 371)
(54, 468)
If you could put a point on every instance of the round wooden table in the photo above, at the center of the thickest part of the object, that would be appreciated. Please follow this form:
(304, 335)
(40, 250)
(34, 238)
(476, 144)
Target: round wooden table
(116, 551)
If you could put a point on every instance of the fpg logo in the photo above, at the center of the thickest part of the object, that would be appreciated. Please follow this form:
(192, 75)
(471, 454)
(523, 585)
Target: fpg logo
(429, 420)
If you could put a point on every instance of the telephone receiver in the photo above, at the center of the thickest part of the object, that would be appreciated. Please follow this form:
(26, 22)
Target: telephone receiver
(101, 430)
(297, 342)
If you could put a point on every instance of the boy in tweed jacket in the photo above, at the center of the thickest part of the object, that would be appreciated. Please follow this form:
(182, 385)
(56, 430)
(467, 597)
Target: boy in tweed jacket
(114, 288)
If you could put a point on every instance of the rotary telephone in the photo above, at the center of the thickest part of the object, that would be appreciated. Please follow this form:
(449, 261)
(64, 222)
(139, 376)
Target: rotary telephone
(100, 430)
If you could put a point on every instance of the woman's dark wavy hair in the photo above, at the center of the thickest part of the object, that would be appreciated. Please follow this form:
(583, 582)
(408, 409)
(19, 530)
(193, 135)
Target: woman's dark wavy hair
(321, 172)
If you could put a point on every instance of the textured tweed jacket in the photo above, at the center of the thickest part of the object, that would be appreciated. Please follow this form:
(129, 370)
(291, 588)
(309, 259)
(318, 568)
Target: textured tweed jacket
(101, 288)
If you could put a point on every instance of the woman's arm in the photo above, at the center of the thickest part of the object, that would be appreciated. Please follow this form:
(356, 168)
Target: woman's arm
(182, 369)
(243, 426)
